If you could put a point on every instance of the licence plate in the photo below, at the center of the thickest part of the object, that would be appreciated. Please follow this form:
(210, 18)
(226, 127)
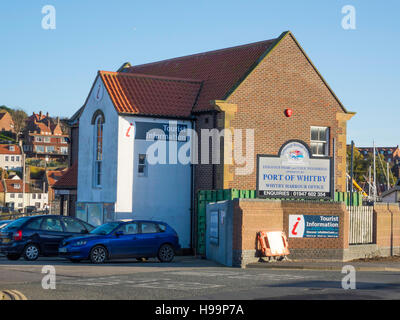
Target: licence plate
(62, 250)
(4, 240)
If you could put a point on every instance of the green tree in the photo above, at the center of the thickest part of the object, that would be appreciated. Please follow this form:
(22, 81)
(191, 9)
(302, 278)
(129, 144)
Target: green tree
(3, 107)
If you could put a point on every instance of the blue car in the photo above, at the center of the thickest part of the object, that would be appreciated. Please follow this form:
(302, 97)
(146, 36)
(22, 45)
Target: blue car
(123, 239)
(4, 223)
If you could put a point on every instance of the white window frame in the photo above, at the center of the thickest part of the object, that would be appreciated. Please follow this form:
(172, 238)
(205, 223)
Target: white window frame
(324, 142)
(98, 151)
(142, 156)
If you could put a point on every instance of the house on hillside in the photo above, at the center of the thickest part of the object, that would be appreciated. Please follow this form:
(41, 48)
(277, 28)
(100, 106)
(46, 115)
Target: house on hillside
(130, 113)
(44, 138)
(65, 191)
(17, 196)
(11, 157)
(6, 121)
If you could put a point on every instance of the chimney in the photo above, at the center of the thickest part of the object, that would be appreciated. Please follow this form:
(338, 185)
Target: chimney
(40, 114)
(47, 114)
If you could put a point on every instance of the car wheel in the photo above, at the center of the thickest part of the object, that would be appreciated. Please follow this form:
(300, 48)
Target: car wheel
(31, 252)
(98, 254)
(166, 253)
(13, 256)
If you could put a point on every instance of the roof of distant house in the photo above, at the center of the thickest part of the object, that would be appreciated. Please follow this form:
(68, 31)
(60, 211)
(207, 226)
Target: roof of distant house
(15, 186)
(7, 149)
(43, 124)
(54, 175)
(69, 179)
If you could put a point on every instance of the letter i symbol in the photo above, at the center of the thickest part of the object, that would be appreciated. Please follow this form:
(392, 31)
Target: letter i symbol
(127, 132)
(294, 232)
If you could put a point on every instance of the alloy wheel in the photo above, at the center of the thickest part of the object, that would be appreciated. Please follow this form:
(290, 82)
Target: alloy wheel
(31, 252)
(166, 253)
(98, 255)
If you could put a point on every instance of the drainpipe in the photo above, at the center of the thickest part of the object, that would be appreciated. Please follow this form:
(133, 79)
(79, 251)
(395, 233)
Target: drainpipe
(192, 197)
(351, 174)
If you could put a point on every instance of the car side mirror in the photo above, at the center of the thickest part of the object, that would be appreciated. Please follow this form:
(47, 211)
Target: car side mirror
(119, 233)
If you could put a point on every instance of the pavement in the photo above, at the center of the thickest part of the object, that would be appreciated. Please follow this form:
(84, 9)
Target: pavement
(191, 278)
(12, 295)
(372, 265)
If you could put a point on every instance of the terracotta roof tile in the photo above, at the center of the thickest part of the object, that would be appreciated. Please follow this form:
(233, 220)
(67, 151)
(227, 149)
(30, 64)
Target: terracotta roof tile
(151, 95)
(54, 175)
(69, 178)
(220, 70)
(15, 186)
(5, 149)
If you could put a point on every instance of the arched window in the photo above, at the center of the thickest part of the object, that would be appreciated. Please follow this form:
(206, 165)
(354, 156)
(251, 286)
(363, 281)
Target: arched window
(98, 149)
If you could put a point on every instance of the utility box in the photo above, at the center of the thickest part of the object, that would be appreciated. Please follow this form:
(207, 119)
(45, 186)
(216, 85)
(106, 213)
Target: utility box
(219, 232)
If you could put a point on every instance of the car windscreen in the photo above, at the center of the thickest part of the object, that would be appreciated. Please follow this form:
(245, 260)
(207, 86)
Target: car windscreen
(17, 223)
(106, 228)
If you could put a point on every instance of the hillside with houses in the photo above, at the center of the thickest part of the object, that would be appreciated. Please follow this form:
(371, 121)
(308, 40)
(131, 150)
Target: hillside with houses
(34, 154)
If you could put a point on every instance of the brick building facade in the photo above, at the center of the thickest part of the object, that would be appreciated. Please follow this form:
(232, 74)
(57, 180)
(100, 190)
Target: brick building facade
(250, 87)
(44, 138)
(247, 87)
(6, 121)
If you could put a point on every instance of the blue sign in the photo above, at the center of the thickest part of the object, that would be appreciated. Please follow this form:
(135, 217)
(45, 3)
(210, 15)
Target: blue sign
(313, 226)
(160, 131)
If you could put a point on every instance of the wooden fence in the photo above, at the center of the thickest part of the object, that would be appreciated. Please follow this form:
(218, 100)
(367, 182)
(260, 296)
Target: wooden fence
(361, 229)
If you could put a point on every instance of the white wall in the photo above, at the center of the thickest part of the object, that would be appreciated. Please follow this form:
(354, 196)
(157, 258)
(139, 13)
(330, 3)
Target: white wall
(19, 203)
(164, 194)
(86, 191)
(11, 165)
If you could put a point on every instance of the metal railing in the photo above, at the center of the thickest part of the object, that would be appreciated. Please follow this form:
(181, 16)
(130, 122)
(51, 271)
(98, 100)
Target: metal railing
(361, 227)
(14, 216)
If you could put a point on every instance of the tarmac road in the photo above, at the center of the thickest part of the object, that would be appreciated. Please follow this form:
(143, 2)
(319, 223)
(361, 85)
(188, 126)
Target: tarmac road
(188, 278)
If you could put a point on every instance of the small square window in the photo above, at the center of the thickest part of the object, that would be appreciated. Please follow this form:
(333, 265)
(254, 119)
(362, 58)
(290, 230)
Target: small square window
(142, 165)
(319, 141)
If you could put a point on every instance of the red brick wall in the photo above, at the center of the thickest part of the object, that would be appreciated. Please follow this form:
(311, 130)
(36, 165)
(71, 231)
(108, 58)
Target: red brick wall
(6, 122)
(284, 79)
(387, 224)
(251, 216)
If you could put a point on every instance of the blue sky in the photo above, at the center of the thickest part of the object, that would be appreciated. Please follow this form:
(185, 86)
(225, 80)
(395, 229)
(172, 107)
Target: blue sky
(53, 70)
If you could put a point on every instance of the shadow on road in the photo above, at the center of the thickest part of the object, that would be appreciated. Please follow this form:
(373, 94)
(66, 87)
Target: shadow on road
(179, 261)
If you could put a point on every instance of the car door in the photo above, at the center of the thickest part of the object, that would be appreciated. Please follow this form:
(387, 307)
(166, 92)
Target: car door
(51, 234)
(73, 227)
(124, 241)
(150, 238)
